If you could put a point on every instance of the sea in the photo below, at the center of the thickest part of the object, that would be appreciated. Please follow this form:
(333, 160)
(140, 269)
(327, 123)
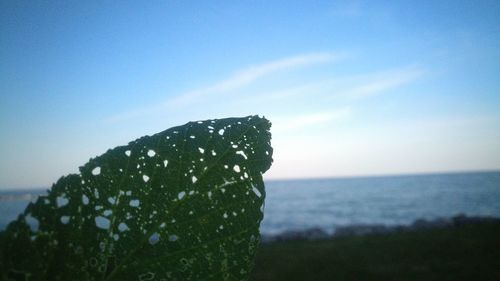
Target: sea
(329, 203)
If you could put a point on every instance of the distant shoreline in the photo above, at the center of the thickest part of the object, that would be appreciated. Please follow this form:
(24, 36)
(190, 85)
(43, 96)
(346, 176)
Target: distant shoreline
(37, 190)
(355, 230)
(21, 195)
(370, 176)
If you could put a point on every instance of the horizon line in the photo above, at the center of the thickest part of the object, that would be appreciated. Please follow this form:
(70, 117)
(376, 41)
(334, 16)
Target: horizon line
(381, 175)
(403, 174)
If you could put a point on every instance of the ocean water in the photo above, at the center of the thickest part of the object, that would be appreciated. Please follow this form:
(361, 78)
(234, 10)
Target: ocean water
(388, 200)
(13, 202)
(329, 203)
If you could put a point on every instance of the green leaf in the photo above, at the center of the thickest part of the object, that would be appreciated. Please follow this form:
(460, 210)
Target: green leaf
(183, 204)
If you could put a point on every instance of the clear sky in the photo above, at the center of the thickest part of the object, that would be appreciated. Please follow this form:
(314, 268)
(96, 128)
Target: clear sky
(351, 87)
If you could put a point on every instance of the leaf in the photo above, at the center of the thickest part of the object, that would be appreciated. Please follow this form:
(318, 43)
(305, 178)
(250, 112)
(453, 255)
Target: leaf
(183, 204)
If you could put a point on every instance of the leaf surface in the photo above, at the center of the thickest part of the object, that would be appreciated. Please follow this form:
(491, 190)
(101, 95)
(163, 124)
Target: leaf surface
(183, 204)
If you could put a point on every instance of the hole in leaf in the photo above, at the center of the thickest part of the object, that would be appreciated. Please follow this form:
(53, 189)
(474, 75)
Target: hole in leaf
(256, 191)
(61, 201)
(102, 222)
(181, 195)
(134, 203)
(85, 199)
(122, 227)
(96, 171)
(242, 153)
(151, 153)
(127, 153)
(236, 168)
(221, 132)
(145, 178)
(154, 238)
(65, 219)
(32, 222)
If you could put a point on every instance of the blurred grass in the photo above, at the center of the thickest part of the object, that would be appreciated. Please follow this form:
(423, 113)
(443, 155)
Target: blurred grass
(468, 252)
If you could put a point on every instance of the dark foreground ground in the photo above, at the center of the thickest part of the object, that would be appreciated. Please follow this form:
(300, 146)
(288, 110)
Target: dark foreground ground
(466, 252)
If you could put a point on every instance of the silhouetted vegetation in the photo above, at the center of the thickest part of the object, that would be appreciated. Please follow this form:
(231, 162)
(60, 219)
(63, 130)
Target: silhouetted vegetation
(463, 252)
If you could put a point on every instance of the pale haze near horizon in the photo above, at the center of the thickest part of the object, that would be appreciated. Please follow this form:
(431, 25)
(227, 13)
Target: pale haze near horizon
(351, 87)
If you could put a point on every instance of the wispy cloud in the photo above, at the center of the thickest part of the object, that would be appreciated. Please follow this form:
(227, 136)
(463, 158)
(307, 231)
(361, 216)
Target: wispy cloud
(334, 89)
(238, 80)
(292, 123)
(341, 88)
(383, 82)
(288, 93)
(249, 75)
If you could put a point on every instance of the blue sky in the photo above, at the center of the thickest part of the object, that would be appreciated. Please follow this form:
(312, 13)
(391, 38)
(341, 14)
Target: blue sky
(352, 87)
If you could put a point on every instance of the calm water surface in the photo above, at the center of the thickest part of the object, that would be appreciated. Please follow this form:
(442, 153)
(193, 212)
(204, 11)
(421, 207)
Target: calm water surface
(391, 200)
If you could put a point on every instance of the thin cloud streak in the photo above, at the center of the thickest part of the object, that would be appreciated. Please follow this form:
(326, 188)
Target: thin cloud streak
(352, 88)
(347, 88)
(247, 76)
(238, 80)
(384, 82)
(293, 123)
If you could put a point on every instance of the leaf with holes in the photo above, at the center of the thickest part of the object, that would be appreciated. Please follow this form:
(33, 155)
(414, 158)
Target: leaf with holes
(184, 204)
